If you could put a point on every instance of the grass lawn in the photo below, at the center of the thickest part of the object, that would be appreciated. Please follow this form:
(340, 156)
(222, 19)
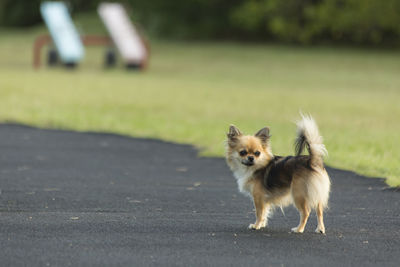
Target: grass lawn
(193, 91)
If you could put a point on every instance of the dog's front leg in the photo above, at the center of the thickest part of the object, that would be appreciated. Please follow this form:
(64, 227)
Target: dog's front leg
(261, 209)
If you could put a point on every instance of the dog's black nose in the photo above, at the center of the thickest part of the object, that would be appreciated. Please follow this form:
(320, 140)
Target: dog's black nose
(250, 158)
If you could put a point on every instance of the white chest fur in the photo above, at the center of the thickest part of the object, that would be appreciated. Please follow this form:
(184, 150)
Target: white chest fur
(243, 178)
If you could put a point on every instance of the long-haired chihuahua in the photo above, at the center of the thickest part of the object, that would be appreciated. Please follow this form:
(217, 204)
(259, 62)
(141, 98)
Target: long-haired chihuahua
(273, 181)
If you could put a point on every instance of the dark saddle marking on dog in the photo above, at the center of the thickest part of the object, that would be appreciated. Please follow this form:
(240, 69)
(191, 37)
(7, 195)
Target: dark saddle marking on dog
(278, 174)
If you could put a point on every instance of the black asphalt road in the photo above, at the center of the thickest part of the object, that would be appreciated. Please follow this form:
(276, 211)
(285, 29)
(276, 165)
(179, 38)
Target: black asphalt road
(90, 199)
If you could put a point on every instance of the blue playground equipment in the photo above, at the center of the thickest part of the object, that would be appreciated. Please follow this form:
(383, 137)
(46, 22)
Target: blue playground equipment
(63, 32)
(69, 45)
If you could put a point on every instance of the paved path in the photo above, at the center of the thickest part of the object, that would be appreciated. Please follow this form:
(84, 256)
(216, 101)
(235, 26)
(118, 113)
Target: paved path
(85, 199)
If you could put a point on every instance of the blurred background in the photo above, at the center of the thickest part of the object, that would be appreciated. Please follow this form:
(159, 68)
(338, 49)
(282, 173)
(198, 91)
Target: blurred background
(369, 22)
(215, 62)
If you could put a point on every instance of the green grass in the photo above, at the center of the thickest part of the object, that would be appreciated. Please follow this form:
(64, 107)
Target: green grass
(193, 91)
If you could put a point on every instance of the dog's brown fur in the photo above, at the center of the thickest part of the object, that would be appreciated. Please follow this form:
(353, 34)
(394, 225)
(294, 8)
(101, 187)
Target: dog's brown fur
(278, 181)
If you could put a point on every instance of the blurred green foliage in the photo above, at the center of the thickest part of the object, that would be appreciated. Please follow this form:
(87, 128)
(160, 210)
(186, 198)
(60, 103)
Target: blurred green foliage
(22, 13)
(19, 13)
(187, 19)
(296, 21)
(310, 21)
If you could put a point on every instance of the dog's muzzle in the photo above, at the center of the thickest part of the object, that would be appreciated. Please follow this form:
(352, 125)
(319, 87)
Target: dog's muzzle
(248, 162)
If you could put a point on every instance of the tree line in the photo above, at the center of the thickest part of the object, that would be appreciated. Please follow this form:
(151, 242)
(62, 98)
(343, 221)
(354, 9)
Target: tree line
(373, 22)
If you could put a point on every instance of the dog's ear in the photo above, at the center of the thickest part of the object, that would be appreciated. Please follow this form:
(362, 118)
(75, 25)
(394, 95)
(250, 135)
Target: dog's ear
(263, 134)
(233, 134)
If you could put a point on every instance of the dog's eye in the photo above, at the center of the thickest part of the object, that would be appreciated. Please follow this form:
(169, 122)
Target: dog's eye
(243, 153)
(257, 153)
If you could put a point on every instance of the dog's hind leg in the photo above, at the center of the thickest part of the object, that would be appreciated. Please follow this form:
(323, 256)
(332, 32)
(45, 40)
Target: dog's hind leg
(304, 209)
(320, 215)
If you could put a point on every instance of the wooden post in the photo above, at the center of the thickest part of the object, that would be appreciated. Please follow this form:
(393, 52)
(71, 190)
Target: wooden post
(40, 41)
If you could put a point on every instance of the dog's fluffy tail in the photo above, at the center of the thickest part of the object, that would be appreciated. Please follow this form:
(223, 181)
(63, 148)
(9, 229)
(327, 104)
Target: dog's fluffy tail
(308, 136)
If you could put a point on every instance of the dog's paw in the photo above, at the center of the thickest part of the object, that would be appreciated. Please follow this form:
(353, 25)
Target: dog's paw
(296, 230)
(320, 230)
(254, 226)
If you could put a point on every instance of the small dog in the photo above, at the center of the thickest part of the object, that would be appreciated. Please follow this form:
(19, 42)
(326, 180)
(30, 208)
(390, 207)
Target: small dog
(274, 181)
